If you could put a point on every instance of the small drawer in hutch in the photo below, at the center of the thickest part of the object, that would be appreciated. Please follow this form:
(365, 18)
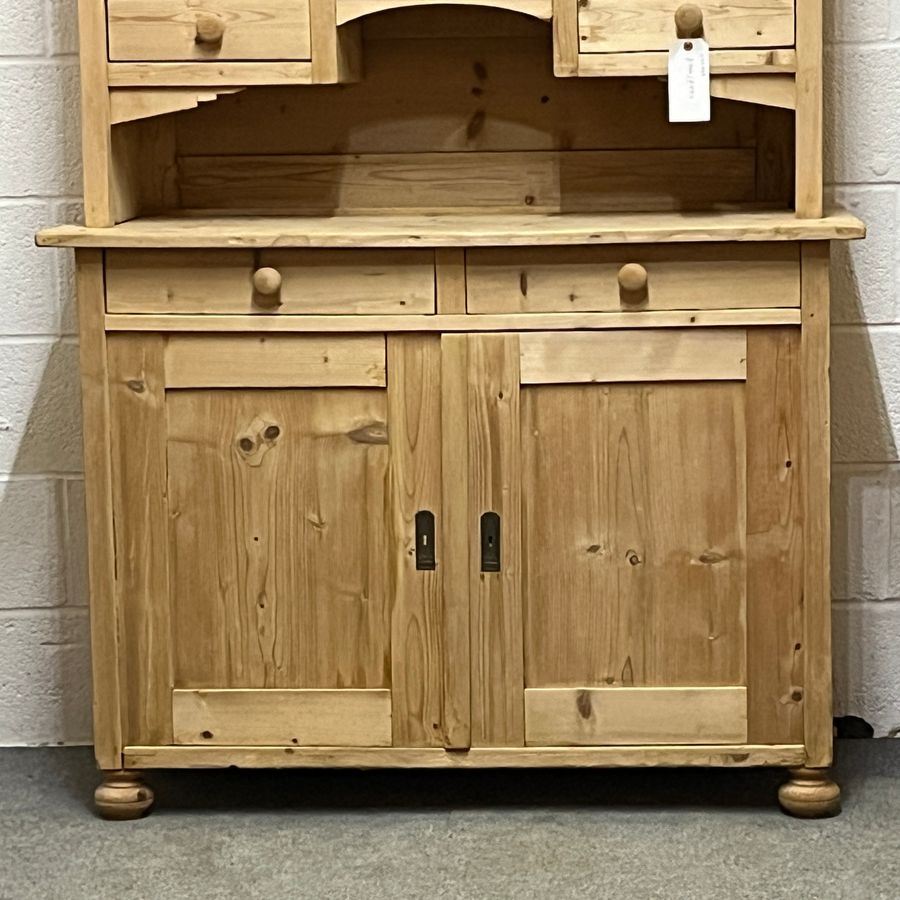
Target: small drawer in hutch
(638, 277)
(177, 30)
(311, 282)
(620, 26)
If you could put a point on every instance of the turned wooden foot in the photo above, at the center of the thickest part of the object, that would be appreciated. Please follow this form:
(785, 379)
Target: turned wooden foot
(123, 795)
(810, 794)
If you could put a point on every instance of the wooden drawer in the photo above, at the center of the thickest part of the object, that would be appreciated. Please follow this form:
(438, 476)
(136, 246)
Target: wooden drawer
(285, 282)
(214, 30)
(618, 26)
(622, 277)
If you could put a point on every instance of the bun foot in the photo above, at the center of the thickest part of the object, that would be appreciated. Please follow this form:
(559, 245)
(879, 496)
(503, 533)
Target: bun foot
(810, 794)
(123, 795)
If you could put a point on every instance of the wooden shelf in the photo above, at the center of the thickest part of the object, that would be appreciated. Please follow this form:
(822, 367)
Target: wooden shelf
(449, 230)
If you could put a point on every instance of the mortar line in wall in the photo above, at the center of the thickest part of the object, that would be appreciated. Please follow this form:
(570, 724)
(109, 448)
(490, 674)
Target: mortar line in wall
(851, 603)
(38, 338)
(12, 477)
(865, 464)
(863, 326)
(32, 60)
(883, 44)
(26, 612)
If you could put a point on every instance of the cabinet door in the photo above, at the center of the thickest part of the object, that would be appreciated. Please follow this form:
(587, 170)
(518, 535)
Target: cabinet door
(646, 588)
(270, 588)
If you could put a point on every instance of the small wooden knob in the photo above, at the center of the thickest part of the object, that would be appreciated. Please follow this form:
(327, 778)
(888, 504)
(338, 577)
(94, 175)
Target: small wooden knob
(689, 21)
(210, 28)
(267, 286)
(633, 281)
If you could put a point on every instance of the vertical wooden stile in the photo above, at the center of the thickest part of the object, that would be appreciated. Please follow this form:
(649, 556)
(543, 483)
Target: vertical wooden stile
(417, 649)
(454, 531)
(96, 135)
(775, 460)
(140, 513)
(450, 280)
(98, 501)
(816, 479)
(809, 144)
(495, 485)
(565, 38)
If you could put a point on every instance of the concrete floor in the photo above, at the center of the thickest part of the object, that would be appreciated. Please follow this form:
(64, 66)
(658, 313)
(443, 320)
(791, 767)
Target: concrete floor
(531, 834)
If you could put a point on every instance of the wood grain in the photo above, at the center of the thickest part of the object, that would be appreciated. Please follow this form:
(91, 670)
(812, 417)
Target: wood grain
(314, 282)
(816, 484)
(455, 323)
(775, 652)
(455, 535)
(140, 514)
(101, 549)
(456, 230)
(167, 30)
(724, 755)
(450, 281)
(640, 25)
(635, 716)
(767, 90)
(808, 155)
(671, 355)
(418, 657)
(495, 485)
(347, 10)
(634, 550)
(349, 718)
(582, 279)
(278, 536)
(533, 181)
(655, 63)
(204, 75)
(277, 361)
(96, 128)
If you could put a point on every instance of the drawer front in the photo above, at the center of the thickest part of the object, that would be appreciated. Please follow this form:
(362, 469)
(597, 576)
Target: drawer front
(283, 282)
(618, 26)
(177, 30)
(621, 278)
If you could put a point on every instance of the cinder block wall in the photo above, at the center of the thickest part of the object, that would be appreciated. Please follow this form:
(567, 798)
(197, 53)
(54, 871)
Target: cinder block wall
(44, 669)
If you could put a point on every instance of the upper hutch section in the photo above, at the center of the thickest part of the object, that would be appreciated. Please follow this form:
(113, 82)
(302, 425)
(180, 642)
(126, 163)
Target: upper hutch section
(367, 107)
(189, 42)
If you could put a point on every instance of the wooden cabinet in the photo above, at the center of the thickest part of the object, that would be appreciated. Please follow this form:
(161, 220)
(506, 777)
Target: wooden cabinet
(455, 410)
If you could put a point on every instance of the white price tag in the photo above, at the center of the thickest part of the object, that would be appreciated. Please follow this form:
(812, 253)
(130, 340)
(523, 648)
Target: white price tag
(689, 81)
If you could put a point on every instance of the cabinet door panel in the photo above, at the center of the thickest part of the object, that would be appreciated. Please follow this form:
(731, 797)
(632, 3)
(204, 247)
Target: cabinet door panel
(628, 471)
(265, 500)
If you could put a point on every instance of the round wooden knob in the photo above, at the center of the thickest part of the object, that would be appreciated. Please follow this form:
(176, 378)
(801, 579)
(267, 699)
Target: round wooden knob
(689, 21)
(633, 279)
(267, 286)
(210, 28)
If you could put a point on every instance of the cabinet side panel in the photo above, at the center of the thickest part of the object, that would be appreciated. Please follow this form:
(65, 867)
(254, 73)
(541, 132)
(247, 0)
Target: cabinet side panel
(98, 499)
(774, 537)
(417, 626)
(816, 475)
(496, 597)
(137, 402)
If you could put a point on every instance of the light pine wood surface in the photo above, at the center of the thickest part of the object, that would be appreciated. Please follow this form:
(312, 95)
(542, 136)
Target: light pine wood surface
(640, 25)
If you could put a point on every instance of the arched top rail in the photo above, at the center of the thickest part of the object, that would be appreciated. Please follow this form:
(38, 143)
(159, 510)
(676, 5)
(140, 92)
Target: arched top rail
(348, 10)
